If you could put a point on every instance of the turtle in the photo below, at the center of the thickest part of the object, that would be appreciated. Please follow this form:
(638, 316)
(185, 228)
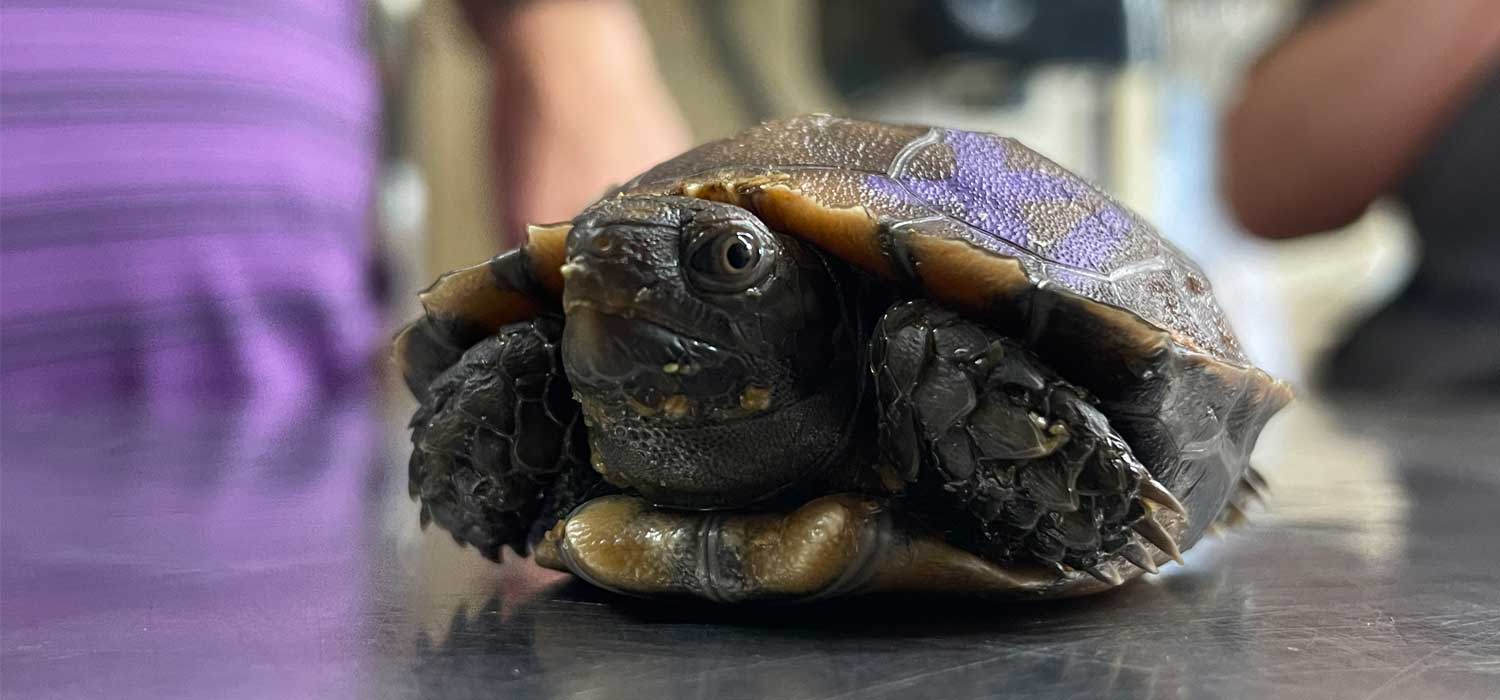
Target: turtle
(829, 356)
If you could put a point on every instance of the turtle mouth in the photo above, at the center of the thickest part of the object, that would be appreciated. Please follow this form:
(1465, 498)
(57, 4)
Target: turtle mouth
(664, 410)
(617, 314)
(604, 345)
(631, 362)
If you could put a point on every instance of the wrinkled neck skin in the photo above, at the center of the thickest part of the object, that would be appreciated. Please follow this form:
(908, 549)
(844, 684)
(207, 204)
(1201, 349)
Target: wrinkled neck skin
(708, 399)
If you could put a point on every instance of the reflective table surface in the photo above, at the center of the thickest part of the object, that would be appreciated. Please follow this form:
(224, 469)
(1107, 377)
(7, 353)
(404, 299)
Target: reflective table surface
(272, 552)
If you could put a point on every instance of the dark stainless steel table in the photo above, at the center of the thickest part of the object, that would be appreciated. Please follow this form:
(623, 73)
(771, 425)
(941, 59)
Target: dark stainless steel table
(272, 552)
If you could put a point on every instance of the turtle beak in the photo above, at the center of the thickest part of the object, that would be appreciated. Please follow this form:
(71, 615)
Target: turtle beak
(588, 284)
(609, 266)
(605, 350)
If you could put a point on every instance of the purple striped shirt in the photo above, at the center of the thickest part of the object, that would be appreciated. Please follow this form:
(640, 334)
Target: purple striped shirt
(185, 199)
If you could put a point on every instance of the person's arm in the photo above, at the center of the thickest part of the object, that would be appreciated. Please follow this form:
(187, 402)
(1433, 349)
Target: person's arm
(1333, 117)
(579, 104)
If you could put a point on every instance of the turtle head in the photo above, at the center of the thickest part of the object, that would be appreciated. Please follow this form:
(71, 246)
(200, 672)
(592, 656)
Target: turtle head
(711, 354)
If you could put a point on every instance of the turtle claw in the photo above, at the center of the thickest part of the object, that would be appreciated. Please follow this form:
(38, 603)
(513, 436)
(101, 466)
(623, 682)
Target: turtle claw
(1153, 495)
(1106, 576)
(1137, 555)
(1153, 491)
(1157, 535)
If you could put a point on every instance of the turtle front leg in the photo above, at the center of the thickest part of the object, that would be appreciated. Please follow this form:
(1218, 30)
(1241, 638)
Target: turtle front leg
(834, 545)
(1008, 459)
(499, 452)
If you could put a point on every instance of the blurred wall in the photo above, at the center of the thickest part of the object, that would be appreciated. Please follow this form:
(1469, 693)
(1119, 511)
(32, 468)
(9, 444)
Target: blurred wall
(448, 114)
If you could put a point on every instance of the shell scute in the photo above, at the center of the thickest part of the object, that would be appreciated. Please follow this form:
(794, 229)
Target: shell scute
(990, 191)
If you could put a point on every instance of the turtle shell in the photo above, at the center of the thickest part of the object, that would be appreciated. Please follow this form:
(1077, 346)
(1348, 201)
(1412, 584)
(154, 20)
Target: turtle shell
(990, 227)
(979, 223)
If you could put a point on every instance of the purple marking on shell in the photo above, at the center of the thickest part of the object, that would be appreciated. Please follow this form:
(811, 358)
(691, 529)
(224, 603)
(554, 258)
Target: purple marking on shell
(986, 193)
(1095, 239)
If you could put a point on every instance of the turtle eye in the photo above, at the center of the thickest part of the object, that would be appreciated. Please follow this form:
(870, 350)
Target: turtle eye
(727, 260)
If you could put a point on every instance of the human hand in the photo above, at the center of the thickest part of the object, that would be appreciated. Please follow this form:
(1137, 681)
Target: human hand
(579, 107)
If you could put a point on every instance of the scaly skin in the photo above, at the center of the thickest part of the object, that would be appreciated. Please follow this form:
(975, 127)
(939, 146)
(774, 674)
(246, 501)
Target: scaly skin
(1006, 458)
(498, 446)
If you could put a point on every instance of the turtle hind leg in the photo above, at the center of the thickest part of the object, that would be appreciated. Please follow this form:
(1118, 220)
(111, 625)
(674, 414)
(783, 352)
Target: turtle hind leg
(1006, 458)
(498, 446)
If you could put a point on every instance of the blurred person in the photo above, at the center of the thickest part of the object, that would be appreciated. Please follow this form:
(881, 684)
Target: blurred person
(186, 187)
(1372, 98)
(579, 104)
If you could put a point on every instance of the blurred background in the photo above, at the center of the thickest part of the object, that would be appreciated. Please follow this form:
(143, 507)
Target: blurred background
(1128, 94)
(242, 201)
